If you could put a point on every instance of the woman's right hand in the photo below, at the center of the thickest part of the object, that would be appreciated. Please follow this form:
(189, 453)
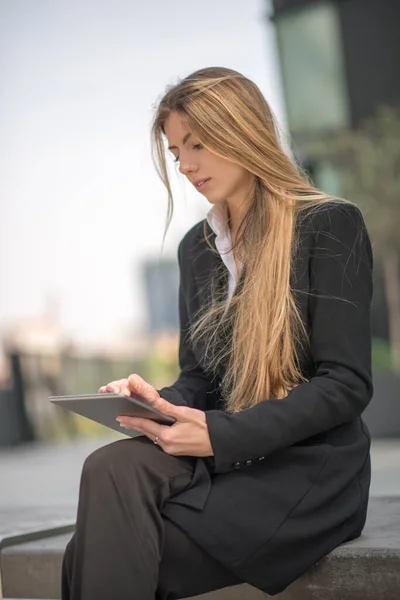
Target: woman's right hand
(133, 385)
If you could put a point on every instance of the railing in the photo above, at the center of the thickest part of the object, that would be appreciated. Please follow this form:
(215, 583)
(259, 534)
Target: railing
(36, 377)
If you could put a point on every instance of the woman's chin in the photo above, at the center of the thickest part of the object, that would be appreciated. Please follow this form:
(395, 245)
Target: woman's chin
(213, 199)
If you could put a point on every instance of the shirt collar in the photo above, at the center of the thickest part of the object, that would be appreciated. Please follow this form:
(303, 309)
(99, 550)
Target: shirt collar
(217, 218)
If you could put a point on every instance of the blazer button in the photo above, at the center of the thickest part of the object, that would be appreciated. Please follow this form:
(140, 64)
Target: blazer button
(248, 463)
(261, 458)
(236, 465)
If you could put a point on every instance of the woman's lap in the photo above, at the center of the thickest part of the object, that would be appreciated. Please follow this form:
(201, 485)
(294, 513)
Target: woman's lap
(144, 476)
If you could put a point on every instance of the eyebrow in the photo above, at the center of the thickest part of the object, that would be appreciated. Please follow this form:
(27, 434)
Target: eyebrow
(185, 139)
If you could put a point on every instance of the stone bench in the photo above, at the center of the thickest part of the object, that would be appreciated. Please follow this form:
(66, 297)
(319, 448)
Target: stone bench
(365, 569)
(19, 525)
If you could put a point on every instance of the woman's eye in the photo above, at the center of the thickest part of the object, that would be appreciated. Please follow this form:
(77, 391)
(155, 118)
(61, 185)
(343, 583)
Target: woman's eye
(195, 147)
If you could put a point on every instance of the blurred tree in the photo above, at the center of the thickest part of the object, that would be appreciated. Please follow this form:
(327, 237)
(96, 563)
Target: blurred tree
(161, 366)
(382, 359)
(368, 162)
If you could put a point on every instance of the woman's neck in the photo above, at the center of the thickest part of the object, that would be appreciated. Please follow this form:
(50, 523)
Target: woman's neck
(236, 215)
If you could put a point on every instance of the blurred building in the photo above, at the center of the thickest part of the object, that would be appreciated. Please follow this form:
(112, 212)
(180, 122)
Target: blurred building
(339, 60)
(41, 335)
(161, 284)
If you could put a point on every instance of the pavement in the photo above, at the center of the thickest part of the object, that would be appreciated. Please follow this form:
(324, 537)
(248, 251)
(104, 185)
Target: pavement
(45, 473)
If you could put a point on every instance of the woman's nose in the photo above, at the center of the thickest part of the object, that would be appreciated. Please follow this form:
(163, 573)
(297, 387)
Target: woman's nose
(186, 167)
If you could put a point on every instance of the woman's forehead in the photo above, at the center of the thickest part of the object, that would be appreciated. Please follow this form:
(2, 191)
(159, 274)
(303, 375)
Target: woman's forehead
(175, 127)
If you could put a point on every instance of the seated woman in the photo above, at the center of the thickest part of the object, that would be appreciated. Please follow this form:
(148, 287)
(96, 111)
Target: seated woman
(267, 467)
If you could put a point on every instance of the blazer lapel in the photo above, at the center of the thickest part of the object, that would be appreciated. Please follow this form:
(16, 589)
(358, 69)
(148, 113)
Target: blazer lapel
(206, 263)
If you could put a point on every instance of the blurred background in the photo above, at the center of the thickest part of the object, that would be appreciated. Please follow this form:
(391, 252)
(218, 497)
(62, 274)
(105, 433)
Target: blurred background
(88, 293)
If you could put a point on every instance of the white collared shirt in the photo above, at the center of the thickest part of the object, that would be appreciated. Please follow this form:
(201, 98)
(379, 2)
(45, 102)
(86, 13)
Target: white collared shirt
(217, 218)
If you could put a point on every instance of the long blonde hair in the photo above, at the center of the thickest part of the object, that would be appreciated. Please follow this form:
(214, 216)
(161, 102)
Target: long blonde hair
(230, 117)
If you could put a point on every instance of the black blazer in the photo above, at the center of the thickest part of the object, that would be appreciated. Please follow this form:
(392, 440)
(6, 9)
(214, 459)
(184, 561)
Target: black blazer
(289, 479)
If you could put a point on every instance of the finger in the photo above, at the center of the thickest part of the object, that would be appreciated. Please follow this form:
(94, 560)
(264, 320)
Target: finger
(116, 386)
(125, 390)
(181, 413)
(124, 387)
(139, 386)
(149, 428)
(112, 387)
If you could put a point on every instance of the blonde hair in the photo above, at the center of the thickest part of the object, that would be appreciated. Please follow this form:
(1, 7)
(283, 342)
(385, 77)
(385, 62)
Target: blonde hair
(230, 117)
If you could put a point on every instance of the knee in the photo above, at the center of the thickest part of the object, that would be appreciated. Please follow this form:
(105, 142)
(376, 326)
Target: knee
(122, 454)
(102, 456)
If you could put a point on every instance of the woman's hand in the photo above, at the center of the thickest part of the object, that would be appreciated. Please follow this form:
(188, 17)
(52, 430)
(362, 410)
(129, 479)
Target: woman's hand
(188, 436)
(133, 385)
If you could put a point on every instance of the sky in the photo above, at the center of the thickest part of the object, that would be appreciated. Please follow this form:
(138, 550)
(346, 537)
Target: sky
(81, 205)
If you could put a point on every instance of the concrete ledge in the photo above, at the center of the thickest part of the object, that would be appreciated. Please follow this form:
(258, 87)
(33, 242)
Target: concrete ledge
(365, 569)
(23, 524)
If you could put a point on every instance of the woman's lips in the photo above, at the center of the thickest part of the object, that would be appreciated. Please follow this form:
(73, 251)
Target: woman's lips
(202, 183)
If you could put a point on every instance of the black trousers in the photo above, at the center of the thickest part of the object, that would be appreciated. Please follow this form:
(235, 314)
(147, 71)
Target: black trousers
(123, 547)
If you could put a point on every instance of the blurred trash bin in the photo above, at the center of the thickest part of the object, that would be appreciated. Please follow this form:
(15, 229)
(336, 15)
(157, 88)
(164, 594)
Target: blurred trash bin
(15, 426)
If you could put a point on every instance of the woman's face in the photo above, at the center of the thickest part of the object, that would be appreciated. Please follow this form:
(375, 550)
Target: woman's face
(217, 178)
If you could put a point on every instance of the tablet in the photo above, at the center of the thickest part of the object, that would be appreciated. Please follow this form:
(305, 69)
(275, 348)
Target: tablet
(105, 408)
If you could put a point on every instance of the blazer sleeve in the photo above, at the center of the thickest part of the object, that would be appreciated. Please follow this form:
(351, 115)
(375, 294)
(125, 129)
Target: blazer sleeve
(193, 387)
(339, 303)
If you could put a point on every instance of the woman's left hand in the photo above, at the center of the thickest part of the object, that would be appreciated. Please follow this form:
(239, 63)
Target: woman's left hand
(188, 436)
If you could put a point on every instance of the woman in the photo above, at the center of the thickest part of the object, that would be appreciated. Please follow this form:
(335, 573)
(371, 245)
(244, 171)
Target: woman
(267, 467)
